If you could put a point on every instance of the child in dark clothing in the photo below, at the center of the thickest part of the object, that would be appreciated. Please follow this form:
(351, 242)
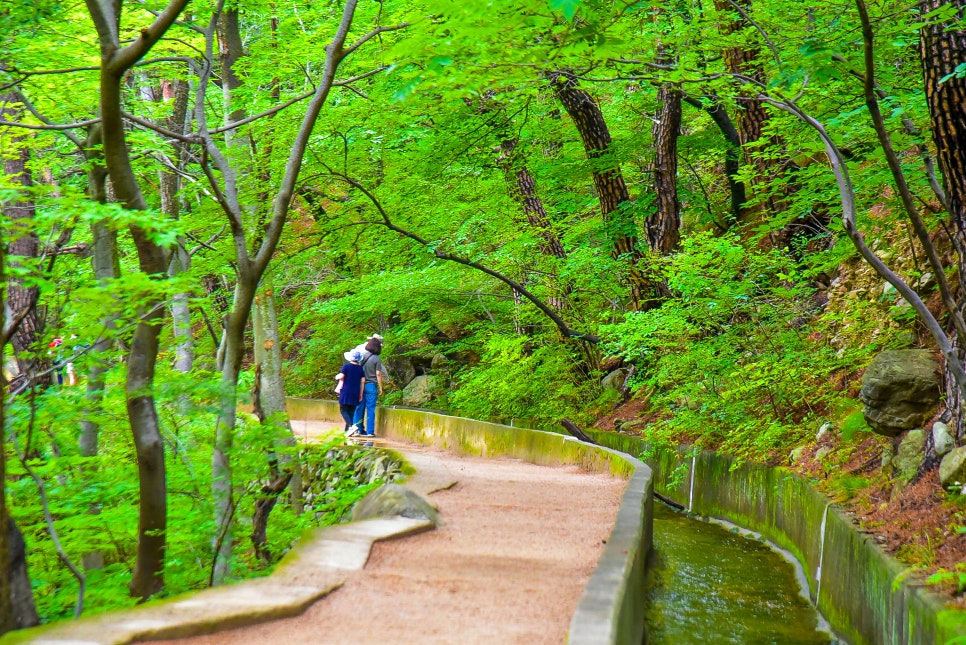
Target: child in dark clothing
(353, 378)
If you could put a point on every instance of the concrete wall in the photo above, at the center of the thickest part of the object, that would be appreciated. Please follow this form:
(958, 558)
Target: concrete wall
(861, 592)
(610, 610)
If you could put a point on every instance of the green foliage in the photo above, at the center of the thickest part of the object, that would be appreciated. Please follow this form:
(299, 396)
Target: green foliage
(955, 578)
(736, 358)
(846, 486)
(93, 500)
(853, 424)
(517, 382)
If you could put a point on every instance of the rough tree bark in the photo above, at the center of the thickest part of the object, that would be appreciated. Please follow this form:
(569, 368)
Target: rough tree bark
(751, 118)
(148, 577)
(664, 225)
(942, 49)
(32, 362)
(611, 189)
(523, 188)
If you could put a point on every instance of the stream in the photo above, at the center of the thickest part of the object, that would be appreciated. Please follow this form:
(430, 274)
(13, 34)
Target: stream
(710, 585)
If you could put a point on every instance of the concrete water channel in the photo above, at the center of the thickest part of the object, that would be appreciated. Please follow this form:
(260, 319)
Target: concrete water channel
(708, 583)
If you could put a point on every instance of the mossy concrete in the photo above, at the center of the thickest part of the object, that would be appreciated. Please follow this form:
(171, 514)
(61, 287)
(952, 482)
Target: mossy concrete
(863, 592)
(609, 611)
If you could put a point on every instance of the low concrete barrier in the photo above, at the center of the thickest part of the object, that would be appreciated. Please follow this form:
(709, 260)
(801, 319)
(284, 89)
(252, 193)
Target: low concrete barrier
(858, 587)
(610, 610)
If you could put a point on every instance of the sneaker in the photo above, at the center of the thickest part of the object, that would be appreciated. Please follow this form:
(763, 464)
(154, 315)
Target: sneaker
(352, 431)
(371, 434)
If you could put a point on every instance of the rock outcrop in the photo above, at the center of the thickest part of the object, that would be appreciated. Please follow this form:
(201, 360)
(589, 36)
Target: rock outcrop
(900, 390)
(393, 500)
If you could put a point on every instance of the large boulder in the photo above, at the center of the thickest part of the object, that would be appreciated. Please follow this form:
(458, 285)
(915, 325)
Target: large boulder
(420, 390)
(900, 390)
(952, 469)
(614, 380)
(393, 500)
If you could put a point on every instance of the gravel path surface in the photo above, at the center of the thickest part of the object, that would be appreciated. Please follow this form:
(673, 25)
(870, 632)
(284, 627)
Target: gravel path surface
(517, 545)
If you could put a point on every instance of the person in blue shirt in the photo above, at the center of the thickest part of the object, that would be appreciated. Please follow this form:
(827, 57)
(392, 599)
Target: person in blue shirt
(353, 380)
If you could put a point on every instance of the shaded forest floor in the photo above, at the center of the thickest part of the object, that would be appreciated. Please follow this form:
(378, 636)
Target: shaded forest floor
(916, 524)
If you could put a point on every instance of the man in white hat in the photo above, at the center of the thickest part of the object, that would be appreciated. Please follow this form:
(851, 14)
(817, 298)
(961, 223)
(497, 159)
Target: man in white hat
(375, 373)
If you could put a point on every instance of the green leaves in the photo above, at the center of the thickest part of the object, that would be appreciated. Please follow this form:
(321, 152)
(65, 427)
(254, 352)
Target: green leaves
(568, 8)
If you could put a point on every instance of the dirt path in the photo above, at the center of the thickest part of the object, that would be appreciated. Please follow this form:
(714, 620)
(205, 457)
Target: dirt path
(509, 564)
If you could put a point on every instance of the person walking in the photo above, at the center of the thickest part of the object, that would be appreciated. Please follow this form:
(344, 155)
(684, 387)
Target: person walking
(350, 397)
(374, 372)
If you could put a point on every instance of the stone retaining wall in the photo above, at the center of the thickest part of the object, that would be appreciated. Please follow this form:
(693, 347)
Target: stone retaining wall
(859, 589)
(610, 610)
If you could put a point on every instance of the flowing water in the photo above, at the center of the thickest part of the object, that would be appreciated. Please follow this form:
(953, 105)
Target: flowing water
(709, 585)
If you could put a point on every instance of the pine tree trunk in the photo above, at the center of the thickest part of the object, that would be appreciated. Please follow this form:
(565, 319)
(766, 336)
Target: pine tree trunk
(31, 362)
(942, 49)
(751, 118)
(664, 226)
(523, 188)
(611, 189)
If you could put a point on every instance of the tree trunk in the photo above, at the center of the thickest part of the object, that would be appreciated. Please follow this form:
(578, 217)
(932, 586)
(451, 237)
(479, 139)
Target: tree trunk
(234, 348)
(17, 608)
(106, 267)
(142, 413)
(942, 49)
(611, 189)
(170, 186)
(523, 189)
(148, 576)
(268, 354)
(31, 360)
(664, 226)
(750, 120)
(23, 610)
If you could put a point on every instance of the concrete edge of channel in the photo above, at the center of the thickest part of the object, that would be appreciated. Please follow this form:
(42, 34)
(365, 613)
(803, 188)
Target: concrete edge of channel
(320, 563)
(609, 609)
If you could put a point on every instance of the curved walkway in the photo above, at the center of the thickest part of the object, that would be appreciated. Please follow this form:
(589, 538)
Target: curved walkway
(517, 545)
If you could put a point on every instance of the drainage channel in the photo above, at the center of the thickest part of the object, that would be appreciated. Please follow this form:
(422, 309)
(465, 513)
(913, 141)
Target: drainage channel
(709, 583)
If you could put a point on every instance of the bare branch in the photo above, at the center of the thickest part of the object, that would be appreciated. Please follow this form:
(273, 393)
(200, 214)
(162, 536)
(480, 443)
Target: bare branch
(372, 34)
(50, 126)
(160, 130)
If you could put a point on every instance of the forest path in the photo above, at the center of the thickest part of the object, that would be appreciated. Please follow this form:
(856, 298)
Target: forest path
(517, 545)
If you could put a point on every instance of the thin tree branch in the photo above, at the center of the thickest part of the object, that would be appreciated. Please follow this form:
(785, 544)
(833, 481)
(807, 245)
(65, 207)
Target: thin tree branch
(565, 330)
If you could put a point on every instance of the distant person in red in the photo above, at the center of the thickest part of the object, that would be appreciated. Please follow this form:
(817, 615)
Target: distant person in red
(54, 348)
(353, 378)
